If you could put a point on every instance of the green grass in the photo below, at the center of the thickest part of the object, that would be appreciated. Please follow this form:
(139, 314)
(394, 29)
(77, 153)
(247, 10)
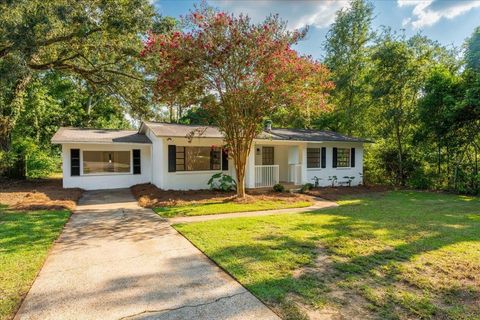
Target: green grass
(199, 209)
(397, 255)
(25, 238)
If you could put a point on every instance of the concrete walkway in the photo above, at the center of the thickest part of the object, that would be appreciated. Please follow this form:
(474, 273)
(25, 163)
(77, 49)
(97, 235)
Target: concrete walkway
(115, 260)
(319, 204)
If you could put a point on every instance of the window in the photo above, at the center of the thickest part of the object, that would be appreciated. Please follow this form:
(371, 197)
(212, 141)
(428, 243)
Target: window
(197, 158)
(267, 156)
(106, 162)
(343, 157)
(313, 157)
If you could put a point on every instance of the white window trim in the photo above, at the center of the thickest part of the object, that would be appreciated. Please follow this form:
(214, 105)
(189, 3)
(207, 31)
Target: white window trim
(105, 173)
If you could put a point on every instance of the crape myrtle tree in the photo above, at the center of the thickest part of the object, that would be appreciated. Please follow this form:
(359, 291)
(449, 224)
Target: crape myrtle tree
(248, 69)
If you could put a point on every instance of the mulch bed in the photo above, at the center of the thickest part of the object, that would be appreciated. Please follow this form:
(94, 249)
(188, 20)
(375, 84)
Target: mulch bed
(336, 193)
(42, 194)
(150, 196)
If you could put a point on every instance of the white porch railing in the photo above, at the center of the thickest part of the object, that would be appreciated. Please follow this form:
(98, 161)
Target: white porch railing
(266, 175)
(295, 173)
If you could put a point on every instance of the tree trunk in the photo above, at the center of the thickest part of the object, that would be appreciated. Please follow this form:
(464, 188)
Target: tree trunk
(439, 169)
(241, 187)
(240, 160)
(170, 111)
(8, 121)
(400, 155)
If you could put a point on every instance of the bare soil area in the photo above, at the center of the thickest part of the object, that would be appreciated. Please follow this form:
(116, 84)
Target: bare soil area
(150, 196)
(42, 194)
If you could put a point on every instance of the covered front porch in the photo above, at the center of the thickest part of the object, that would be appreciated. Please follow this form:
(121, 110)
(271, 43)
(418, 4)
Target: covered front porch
(272, 162)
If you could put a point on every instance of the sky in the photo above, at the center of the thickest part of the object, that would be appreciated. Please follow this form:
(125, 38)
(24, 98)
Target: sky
(449, 22)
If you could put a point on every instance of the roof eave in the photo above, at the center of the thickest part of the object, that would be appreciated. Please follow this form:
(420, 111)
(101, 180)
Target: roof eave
(96, 142)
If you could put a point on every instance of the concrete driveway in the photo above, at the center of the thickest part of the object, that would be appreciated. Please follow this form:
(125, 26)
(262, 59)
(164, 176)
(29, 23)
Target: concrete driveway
(115, 260)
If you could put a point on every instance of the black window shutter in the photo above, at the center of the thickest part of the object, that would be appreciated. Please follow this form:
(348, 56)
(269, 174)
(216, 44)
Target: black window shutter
(224, 159)
(334, 158)
(352, 157)
(137, 162)
(74, 162)
(172, 151)
(324, 157)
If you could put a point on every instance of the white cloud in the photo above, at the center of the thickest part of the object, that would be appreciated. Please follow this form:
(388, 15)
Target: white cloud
(298, 13)
(428, 12)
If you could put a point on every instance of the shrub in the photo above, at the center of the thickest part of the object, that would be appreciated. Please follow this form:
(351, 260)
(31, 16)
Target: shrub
(222, 182)
(279, 188)
(420, 180)
(306, 187)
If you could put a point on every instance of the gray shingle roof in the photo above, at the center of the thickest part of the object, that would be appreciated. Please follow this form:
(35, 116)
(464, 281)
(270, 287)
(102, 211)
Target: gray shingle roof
(307, 135)
(79, 135)
(162, 129)
(180, 130)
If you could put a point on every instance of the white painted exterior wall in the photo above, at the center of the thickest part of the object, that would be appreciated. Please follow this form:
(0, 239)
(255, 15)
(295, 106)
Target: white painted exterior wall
(181, 180)
(106, 180)
(329, 171)
(154, 164)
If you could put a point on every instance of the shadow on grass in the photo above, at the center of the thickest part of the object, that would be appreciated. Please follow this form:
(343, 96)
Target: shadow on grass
(355, 236)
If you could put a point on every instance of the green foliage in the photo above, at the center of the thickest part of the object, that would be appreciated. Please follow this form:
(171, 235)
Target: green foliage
(197, 115)
(413, 97)
(223, 182)
(333, 179)
(347, 55)
(472, 54)
(38, 162)
(278, 187)
(306, 187)
(93, 46)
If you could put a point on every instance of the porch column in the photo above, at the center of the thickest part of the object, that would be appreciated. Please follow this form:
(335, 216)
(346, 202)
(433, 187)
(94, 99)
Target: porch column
(303, 157)
(293, 157)
(250, 170)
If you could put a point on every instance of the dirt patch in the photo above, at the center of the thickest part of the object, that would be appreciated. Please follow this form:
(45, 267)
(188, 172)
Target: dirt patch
(45, 194)
(150, 196)
(344, 304)
(336, 193)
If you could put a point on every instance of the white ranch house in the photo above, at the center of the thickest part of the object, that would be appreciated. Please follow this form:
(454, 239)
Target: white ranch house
(184, 157)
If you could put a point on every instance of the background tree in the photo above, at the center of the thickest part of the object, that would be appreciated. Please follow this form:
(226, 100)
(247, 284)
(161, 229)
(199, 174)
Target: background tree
(93, 40)
(347, 55)
(248, 69)
(400, 68)
(472, 52)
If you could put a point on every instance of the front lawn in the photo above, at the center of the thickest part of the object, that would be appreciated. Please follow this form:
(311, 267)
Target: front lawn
(396, 255)
(25, 238)
(198, 209)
